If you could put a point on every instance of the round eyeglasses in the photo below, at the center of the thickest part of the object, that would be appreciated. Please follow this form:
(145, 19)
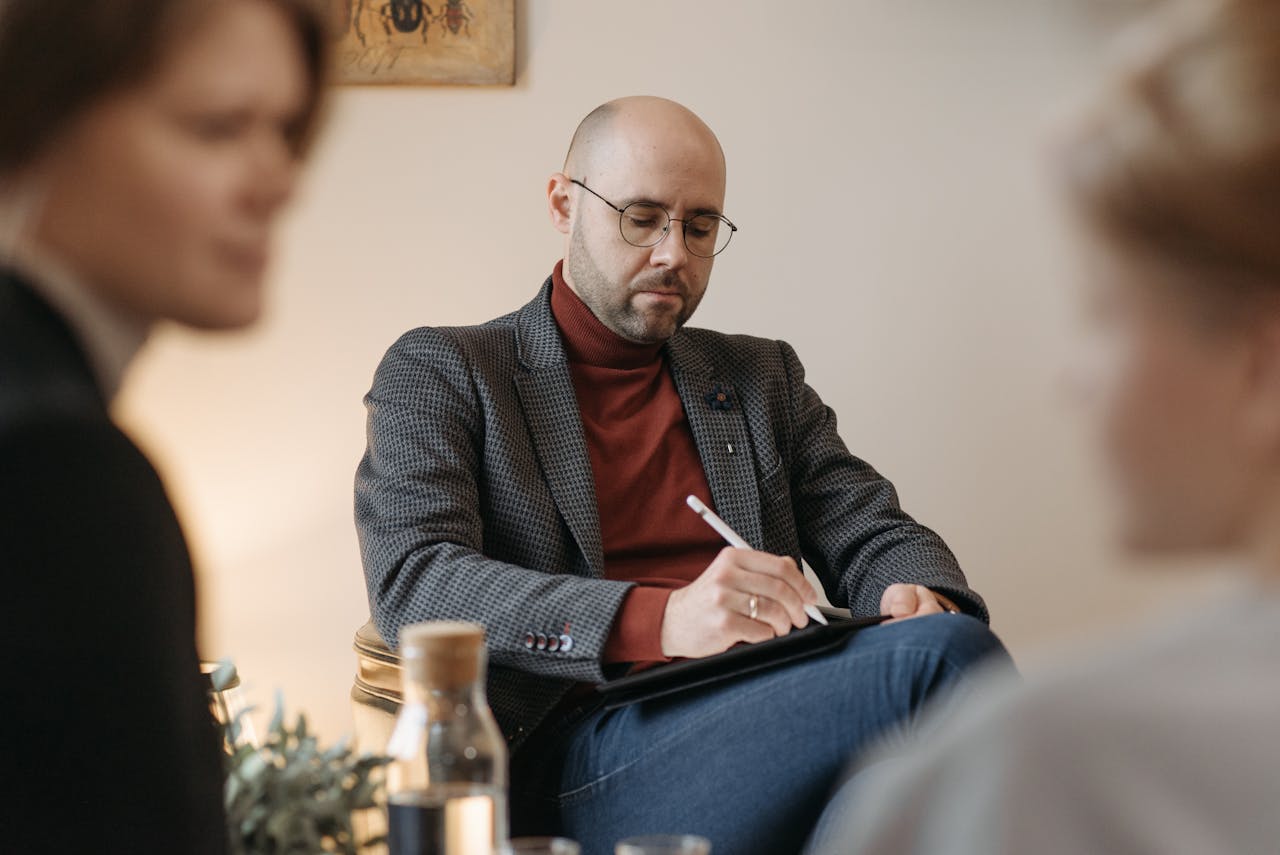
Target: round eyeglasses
(644, 224)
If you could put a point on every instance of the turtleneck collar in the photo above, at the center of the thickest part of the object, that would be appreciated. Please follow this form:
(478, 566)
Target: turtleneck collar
(589, 341)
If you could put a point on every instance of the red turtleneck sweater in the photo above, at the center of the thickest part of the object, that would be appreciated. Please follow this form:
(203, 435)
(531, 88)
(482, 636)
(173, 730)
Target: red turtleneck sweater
(645, 463)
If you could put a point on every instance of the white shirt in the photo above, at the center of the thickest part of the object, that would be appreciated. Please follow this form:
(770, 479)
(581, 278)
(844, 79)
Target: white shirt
(1168, 744)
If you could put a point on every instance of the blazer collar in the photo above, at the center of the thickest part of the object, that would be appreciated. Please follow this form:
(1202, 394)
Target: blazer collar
(717, 419)
(538, 341)
(108, 336)
(555, 424)
(51, 367)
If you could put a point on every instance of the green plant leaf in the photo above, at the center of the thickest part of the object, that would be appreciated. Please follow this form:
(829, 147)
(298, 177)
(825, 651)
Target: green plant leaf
(294, 796)
(276, 727)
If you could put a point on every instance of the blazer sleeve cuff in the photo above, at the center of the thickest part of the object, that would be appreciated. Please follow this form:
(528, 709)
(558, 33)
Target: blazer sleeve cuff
(636, 635)
(967, 601)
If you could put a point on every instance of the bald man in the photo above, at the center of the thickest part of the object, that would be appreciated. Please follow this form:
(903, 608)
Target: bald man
(530, 474)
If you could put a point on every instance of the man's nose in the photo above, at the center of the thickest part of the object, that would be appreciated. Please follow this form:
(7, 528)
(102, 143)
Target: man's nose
(670, 251)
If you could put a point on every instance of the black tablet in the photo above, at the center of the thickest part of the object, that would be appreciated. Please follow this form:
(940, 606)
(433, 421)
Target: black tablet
(686, 674)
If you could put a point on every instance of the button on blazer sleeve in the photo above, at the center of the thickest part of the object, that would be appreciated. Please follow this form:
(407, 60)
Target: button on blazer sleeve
(851, 526)
(420, 492)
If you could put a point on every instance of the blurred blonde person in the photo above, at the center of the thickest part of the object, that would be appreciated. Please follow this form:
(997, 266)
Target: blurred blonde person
(146, 148)
(1165, 744)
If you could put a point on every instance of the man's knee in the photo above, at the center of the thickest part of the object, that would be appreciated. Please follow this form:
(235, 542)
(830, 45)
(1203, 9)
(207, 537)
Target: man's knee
(959, 641)
(967, 640)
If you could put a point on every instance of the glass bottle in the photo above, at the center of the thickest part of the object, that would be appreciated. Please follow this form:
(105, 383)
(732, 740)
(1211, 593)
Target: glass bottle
(446, 784)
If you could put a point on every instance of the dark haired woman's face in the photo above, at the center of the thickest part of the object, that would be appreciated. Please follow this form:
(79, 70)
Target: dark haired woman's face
(163, 197)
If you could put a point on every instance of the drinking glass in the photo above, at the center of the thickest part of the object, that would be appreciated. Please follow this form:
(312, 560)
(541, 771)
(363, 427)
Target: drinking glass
(541, 846)
(664, 844)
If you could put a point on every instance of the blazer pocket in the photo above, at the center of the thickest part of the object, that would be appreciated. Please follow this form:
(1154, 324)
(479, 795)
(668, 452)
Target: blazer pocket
(775, 485)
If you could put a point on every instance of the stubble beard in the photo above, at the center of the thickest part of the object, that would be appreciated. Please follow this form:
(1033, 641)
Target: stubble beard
(614, 305)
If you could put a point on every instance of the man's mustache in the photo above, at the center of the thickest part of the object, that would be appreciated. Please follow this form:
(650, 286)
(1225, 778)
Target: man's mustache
(670, 282)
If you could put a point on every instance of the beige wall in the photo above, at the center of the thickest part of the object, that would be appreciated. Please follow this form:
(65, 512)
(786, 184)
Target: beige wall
(895, 228)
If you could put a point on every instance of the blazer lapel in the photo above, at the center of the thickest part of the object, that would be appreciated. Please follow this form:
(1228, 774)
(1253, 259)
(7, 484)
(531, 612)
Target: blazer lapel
(551, 410)
(719, 429)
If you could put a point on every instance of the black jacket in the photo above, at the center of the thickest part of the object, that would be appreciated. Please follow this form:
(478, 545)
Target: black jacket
(106, 741)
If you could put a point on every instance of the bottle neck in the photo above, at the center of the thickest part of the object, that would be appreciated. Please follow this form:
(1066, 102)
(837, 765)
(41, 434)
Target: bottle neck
(445, 702)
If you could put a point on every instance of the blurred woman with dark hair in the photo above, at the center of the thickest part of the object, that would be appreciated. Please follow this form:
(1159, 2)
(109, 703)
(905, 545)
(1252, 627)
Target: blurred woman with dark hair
(1167, 742)
(146, 148)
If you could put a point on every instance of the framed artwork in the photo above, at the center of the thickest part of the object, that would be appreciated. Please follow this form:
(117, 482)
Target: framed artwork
(426, 41)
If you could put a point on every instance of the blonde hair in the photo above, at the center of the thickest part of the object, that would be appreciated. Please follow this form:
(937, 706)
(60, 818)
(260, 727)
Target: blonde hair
(1179, 155)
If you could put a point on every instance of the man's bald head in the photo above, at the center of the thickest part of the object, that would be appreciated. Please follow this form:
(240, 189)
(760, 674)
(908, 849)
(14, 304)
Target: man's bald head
(644, 119)
(647, 156)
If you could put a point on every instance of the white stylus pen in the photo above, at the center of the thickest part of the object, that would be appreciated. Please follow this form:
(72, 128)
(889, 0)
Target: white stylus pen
(735, 540)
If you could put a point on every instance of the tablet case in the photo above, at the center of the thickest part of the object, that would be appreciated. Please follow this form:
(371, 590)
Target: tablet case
(686, 674)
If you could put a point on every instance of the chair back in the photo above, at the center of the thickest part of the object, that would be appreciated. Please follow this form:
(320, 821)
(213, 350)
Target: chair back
(375, 693)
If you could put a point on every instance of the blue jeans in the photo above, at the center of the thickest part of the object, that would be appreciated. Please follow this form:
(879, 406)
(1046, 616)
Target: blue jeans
(750, 763)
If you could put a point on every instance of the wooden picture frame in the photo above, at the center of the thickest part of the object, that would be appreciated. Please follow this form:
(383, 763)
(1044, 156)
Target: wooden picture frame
(469, 42)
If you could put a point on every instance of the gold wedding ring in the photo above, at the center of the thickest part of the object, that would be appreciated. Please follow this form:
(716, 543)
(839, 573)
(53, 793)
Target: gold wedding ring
(753, 605)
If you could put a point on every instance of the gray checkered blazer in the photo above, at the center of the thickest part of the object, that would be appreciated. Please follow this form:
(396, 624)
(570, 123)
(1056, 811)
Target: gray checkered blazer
(475, 499)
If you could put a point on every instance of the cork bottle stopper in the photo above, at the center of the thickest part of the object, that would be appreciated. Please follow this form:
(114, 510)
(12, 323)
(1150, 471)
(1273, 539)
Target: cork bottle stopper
(442, 654)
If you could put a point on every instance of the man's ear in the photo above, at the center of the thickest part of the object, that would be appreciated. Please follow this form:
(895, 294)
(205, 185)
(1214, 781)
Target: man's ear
(560, 202)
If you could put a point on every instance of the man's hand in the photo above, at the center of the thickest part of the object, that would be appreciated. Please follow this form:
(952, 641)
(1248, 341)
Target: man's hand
(713, 613)
(904, 601)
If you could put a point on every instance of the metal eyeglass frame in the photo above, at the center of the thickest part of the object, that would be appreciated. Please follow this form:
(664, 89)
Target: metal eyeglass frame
(670, 219)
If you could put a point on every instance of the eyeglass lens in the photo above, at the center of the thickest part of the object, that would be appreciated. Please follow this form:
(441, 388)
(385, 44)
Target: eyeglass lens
(644, 225)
